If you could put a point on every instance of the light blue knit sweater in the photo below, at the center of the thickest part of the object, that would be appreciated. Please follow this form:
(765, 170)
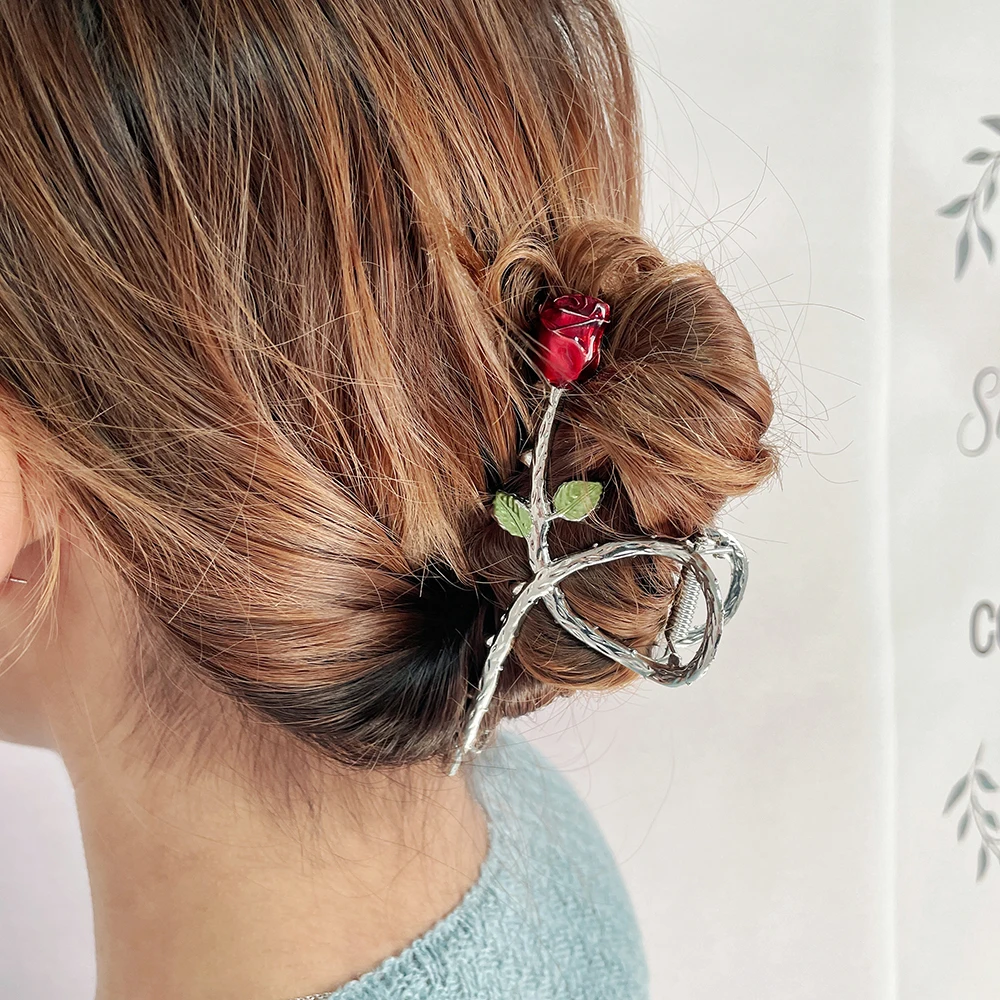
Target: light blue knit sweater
(549, 917)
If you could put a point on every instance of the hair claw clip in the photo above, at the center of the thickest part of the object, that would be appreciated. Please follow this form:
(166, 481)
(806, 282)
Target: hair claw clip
(571, 331)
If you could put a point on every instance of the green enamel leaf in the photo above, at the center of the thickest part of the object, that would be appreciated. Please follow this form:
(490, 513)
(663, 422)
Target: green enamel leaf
(575, 499)
(512, 514)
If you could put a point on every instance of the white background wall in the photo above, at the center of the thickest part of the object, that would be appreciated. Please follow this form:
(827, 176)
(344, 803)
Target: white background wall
(946, 549)
(752, 811)
(801, 150)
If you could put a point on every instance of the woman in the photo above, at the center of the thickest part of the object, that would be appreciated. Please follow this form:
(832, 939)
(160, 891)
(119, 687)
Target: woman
(270, 275)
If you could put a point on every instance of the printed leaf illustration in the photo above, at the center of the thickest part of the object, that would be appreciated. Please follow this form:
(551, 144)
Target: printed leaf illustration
(957, 207)
(512, 514)
(962, 254)
(956, 793)
(575, 499)
(979, 156)
(972, 205)
(985, 781)
(975, 817)
(987, 243)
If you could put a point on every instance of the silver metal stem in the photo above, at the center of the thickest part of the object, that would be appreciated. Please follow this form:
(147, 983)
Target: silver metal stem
(541, 510)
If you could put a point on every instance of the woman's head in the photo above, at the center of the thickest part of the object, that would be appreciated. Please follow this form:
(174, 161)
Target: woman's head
(268, 272)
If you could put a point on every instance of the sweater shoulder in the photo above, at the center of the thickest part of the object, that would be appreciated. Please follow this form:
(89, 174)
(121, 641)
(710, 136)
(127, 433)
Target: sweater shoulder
(549, 917)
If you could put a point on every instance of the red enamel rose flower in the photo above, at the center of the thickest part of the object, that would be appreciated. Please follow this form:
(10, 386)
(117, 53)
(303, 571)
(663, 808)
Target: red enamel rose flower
(570, 337)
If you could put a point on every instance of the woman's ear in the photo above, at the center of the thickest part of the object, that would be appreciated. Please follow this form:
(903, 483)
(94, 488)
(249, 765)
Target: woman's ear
(14, 526)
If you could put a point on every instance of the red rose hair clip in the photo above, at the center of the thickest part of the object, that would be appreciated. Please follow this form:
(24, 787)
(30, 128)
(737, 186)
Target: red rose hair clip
(570, 337)
(569, 341)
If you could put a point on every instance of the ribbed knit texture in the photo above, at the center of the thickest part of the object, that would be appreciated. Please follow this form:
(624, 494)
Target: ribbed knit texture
(549, 917)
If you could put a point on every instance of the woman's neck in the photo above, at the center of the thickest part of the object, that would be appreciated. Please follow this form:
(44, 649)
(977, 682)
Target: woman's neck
(199, 892)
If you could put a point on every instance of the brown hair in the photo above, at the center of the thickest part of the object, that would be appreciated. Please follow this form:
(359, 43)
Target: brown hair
(268, 270)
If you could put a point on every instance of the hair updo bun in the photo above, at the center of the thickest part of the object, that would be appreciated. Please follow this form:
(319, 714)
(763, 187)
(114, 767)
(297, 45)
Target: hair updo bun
(671, 423)
(266, 325)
